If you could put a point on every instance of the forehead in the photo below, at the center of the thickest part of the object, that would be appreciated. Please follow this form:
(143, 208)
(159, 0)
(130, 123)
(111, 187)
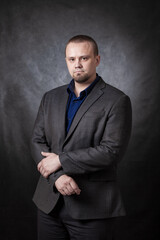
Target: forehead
(79, 48)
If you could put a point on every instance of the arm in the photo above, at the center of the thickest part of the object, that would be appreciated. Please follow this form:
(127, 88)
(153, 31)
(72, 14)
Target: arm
(112, 145)
(39, 142)
(64, 184)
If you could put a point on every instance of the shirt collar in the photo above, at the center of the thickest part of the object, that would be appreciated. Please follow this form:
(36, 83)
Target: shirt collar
(86, 91)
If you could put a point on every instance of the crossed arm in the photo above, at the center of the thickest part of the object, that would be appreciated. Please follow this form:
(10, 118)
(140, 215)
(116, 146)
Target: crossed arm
(64, 184)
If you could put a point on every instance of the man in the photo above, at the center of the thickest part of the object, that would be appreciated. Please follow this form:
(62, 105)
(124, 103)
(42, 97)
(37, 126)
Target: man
(80, 134)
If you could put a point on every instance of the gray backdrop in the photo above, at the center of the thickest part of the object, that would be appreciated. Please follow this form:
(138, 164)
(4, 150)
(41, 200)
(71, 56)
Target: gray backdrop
(33, 35)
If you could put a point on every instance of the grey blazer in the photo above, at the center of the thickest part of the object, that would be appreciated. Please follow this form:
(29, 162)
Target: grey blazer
(89, 153)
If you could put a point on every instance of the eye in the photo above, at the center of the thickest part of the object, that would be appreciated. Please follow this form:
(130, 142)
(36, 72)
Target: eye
(71, 59)
(84, 58)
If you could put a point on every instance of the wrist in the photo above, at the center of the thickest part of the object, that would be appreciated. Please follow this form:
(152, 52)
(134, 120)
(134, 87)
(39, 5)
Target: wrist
(58, 162)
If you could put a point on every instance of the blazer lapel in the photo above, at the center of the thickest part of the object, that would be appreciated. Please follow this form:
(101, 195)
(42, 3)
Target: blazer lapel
(62, 105)
(91, 98)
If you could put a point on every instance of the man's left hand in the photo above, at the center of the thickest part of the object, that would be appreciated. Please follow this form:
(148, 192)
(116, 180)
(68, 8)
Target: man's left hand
(49, 164)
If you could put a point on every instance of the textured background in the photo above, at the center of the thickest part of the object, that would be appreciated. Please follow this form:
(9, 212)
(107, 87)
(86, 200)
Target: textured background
(33, 35)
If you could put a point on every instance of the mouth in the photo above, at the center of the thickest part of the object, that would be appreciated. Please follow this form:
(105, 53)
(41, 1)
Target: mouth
(78, 71)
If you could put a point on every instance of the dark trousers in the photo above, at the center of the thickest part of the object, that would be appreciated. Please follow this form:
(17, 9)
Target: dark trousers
(60, 225)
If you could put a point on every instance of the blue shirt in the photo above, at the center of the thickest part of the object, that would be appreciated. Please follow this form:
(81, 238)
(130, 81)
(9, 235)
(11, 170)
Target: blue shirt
(75, 102)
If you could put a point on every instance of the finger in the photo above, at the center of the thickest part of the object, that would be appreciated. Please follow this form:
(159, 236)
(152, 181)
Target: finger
(62, 192)
(43, 165)
(66, 191)
(75, 187)
(70, 189)
(38, 166)
(43, 172)
(45, 175)
(59, 189)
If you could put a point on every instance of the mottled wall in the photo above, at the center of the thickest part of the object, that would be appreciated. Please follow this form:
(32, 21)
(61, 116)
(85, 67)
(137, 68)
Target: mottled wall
(33, 35)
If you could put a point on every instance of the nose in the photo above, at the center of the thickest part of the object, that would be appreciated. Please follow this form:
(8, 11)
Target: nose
(78, 63)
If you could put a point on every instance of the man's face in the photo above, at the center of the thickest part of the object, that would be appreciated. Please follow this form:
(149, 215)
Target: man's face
(81, 61)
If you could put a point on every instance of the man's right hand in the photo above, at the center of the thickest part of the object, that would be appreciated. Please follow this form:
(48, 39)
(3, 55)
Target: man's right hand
(67, 186)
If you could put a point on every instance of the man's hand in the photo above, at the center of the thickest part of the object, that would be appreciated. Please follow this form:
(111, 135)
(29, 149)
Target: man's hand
(49, 164)
(67, 186)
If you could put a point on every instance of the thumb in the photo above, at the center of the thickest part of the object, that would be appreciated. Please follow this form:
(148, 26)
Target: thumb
(46, 154)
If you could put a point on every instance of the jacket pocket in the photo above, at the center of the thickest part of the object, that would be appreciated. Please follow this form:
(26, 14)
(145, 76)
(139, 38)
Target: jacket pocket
(94, 114)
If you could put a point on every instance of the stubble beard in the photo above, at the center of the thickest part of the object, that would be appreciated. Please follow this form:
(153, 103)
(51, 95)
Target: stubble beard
(81, 78)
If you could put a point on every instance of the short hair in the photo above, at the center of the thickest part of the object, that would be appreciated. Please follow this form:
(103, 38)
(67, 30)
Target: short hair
(84, 38)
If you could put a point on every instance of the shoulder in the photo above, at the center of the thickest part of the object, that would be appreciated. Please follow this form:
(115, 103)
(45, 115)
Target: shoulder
(111, 91)
(57, 90)
(107, 88)
(53, 96)
(113, 96)
(55, 93)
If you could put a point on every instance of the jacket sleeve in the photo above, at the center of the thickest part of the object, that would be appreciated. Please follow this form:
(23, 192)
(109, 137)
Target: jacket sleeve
(112, 145)
(39, 142)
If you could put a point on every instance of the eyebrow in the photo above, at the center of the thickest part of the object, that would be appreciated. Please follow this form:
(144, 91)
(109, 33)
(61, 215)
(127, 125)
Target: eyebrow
(78, 57)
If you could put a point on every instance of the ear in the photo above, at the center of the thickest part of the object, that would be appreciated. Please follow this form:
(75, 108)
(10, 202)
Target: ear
(97, 58)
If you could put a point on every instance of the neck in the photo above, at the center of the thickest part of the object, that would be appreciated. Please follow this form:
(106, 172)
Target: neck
(79, 87)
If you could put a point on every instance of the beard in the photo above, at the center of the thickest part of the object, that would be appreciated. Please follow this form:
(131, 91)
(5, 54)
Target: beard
(80, 77)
